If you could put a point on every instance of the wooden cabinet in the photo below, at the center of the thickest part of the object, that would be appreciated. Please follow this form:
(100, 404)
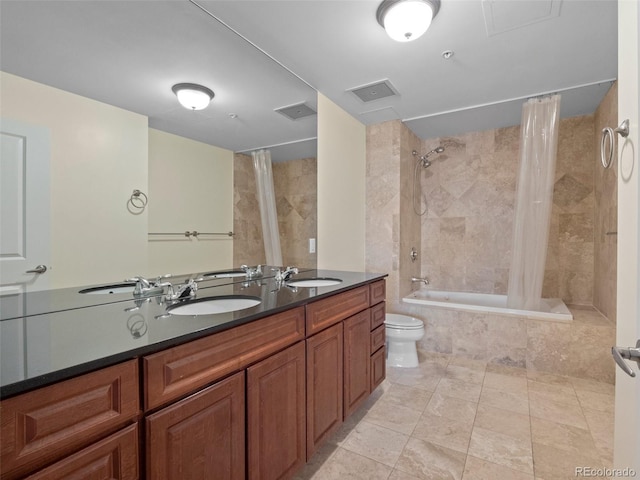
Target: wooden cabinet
(357, 359)
(200, 437)
(45, 425)
(114, 458)
(179, 371)
(276, 415)
(255, 401)
(324, 386)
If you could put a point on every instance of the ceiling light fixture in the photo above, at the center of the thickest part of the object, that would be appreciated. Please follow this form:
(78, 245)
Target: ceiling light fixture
(406, 20)
(193, 96)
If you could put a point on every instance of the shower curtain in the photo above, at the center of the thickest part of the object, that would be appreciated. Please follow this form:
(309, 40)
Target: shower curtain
(534, 197)
(267, 202)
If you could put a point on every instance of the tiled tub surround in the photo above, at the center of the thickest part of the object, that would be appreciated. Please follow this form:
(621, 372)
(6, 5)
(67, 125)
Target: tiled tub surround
(579, 348)
(470, 189)
(457, 418)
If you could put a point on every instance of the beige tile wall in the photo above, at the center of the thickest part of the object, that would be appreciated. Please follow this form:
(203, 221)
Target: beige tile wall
(295, 185)
(606, 213)
(470, 189)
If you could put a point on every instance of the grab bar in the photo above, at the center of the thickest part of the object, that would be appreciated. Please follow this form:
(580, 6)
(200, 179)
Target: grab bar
(195, 234)
(608, 133)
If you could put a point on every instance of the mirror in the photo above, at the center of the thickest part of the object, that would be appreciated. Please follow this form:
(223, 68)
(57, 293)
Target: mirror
(129, 55)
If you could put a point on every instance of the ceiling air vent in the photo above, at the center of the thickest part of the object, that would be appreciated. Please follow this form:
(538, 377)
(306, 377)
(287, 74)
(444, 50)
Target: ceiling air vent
(374, 91)
(294, 112)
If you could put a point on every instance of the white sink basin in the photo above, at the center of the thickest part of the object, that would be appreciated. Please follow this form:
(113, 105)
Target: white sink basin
(314, 282)
(209, 306)
(226, 274)
(109, 289)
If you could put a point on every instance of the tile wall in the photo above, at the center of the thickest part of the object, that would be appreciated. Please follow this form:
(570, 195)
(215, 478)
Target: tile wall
(296, 187)
(606, 213)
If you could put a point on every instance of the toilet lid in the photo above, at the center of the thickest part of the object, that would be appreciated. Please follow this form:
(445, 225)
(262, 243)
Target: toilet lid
(402, 321)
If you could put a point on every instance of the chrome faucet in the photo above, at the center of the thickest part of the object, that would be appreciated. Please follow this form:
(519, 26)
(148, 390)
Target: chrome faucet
(146, 287)
(252, 272)
(187, 290)
(283, 276)
(424, 280)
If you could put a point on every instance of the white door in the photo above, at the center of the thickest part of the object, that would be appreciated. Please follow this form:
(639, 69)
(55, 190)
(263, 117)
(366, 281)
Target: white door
(627, 409)
(24, 208)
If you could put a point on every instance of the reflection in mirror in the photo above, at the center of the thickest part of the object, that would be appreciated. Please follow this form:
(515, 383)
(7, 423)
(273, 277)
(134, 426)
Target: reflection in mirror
(116, 127)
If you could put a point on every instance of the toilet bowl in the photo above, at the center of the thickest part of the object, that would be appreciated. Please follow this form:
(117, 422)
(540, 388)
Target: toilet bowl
(402, 333)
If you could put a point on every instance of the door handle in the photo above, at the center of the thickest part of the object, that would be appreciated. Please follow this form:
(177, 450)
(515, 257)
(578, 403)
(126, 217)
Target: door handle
(38, 269)
(621, 354)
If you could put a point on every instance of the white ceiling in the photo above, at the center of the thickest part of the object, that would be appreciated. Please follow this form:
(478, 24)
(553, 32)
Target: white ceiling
(130, 53)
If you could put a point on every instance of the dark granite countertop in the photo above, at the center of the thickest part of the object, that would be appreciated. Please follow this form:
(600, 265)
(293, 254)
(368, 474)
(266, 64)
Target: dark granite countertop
(65, 333)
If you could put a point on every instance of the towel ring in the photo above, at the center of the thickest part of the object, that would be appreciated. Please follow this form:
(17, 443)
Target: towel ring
(138, 199)
(608, 133)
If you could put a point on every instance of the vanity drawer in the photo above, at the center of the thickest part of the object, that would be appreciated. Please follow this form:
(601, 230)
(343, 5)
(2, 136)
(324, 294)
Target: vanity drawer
(326, 312)
(378, 292)
(115, 457)
(378, 313)
(377, 338)
(44, 425)
(181, 370)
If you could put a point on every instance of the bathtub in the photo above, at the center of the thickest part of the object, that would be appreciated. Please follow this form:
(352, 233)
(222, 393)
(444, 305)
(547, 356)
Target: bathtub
(552, 309)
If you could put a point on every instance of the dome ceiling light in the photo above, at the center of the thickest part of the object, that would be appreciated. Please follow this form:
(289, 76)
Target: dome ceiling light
(406, 20)
(193, 96)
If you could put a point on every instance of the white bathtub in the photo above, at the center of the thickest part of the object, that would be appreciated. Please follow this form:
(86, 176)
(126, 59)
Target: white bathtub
(552, 308)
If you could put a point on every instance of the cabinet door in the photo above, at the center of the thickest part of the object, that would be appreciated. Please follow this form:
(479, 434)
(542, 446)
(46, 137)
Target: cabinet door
(114, 458)
(200, 437)
(324, 386)
(276, 415)
(356, 361)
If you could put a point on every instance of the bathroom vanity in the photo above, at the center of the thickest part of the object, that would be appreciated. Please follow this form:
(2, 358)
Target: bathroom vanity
(246, 394)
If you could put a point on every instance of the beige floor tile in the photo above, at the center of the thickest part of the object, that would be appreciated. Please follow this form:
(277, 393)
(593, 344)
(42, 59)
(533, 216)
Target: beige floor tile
(557, 412)
(417, 378)
(459, 389)
(411, 397)
(592, 385)
(345, 464)
(563, 437)
(552, 463)
(426, 460)
(548, 378)
(514, 402)
(478, 469)
(601, 428)
(400, 475)
(558, 393)
(479, 365)
(321, 456)
(506, 370)
(504, 421)
(446, 432)
(505, 383)
(451, 407)
(464, 374)
(394, 416)
(375, 442)
(602, 402)
(502, 449)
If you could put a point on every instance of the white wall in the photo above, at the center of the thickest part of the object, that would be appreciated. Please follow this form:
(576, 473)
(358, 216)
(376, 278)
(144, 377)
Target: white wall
(341, 188)
(190, 188)
(98, 157)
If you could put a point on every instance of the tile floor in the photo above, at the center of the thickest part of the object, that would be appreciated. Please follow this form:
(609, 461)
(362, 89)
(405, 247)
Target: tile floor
(454, 418)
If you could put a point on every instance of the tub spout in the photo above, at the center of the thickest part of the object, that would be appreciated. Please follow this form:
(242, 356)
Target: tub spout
(424, 280)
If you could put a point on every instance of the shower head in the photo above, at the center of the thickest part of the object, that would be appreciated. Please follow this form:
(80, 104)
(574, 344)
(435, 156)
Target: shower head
(424, 158)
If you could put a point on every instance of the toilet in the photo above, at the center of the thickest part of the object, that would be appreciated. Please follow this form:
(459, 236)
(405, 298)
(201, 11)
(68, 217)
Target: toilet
(402, 333)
